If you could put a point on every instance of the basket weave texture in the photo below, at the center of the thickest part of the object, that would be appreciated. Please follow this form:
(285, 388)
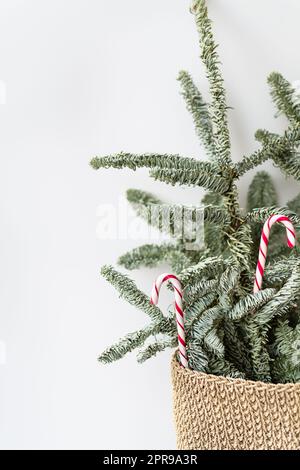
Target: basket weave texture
(213, 412)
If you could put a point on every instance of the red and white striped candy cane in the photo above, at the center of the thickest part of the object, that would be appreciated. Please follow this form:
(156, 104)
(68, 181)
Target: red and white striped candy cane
(178, 307)
(264, 241)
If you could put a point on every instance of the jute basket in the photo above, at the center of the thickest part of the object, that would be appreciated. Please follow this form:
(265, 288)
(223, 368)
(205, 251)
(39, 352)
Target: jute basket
(214, 412)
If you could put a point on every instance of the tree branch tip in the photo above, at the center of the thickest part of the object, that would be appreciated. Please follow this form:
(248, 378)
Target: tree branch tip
(182, 74)
(195, 6)
(106, 269)
(258, 134)
(95, 163)
(102, 360)
(273, 75)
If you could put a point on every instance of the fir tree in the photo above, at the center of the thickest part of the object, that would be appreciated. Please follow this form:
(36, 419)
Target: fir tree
(230, 331)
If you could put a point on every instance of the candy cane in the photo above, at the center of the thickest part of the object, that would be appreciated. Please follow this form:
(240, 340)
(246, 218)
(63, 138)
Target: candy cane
(178, 307)
(264, 241)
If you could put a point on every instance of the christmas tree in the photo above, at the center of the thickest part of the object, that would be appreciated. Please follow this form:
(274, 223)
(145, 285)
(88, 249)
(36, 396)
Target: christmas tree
(229, 330)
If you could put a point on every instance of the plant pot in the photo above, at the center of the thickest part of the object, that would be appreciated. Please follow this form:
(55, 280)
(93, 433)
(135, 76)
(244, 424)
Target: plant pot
(213, 412)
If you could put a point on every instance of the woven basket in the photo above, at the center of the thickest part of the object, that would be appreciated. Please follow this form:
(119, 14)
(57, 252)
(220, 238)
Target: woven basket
(214, 412)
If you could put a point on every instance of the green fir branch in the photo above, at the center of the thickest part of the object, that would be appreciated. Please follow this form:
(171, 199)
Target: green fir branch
(223, 367)
(213, 342)
(158, 346)
(211, 61)
(194, 311)
(285, 352)
(229, 280)
(207, 321)
(278, 272)
(282, 94)
(276, 148)
(240, 244)
(263, 213)
(138, 198)
(262, 192)
(199, 111)
(283, 299)
(172, 218)
(252, 161)
(151, 160)
(208, 267)
(192, 177)
(146, 255)
(127, 344)
(250, 304)
(199, 289)
(178, 261)
(235, 348)
(197, 356)
(256, 340)
(285, 149)
(129, 291)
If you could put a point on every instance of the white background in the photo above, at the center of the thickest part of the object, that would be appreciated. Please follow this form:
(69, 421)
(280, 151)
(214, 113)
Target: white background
(88, 77)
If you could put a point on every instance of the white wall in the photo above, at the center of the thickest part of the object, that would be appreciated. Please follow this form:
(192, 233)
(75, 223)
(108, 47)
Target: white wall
(89, 77)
